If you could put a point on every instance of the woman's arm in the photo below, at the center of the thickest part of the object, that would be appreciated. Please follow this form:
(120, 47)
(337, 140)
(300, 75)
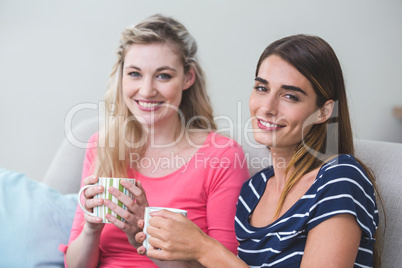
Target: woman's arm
(180, 239)
(344, 213)
(84, 250)
(333, 243)
(132, 216)
(224, 182)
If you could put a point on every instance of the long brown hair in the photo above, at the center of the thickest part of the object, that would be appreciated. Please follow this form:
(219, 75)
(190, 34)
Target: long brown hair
(316, 60)
(121, 134)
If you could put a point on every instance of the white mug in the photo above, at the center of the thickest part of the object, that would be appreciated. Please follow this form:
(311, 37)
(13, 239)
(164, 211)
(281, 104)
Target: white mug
(101, 211)
(147, 216)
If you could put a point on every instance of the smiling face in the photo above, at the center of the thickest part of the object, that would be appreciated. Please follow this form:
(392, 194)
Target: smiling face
(282, 104)
(153, 82)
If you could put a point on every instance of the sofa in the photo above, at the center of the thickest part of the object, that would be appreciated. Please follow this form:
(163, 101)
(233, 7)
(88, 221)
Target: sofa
(57, 193)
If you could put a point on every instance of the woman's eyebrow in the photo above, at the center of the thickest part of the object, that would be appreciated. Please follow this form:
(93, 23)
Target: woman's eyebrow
(132, 67)
(288, 87)
(294, 88)
(166, 68)
(158, 70)
(259, 79)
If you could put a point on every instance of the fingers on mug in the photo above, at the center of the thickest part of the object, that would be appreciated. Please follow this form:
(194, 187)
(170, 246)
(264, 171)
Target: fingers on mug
(102, 210)
(147, 216)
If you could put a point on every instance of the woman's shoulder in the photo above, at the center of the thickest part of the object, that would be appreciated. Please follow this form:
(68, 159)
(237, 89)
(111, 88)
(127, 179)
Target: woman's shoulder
(343, 163)
(92, 143)
(344, 168)
(342, 186)
(94, 138)
(342, 159)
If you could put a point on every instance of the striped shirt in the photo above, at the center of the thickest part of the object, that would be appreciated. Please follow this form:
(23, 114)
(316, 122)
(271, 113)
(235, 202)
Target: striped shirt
(341, 187)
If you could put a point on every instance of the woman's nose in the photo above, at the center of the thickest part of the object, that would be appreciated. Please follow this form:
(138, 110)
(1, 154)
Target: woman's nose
(270, 105)
(147, 89)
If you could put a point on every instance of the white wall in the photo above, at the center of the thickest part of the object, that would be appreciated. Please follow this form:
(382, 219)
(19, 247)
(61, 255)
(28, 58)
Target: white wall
(55, 55)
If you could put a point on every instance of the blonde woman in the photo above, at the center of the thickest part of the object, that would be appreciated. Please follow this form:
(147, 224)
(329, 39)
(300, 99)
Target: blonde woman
(160, 131)
(316, 205)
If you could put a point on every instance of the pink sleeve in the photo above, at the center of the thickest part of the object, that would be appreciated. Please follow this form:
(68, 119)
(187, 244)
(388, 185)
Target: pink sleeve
(224, 190)
(87, 170)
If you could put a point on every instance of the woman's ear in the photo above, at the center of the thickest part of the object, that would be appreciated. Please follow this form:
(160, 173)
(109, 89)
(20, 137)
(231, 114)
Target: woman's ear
(189, 78)
(325, 111)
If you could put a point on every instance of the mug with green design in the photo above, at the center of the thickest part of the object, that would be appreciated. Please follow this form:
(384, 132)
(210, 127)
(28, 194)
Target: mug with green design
(101, 211)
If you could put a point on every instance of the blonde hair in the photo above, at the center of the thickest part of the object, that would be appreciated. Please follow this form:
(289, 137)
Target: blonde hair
(121, 133)
(316, 60)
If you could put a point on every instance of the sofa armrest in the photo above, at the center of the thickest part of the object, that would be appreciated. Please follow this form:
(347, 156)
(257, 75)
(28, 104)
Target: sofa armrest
(65, 171)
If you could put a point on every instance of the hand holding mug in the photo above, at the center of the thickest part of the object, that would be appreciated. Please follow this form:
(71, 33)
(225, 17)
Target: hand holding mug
(134, 209)
(91, 190)
(117, 201)
(99, 193)
(170, 235)
(143, 237)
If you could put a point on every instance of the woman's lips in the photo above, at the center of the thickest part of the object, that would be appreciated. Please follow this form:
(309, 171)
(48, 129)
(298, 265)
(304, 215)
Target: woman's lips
(265, 125)
(148, 105)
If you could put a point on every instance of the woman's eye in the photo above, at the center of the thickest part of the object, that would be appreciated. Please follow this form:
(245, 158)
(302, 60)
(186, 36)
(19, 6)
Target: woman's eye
(135, 74)
(261, 88)
(291, 97)
(164, 76)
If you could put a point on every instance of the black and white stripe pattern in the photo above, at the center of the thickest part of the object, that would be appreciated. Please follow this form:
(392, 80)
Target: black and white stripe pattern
(341, 187)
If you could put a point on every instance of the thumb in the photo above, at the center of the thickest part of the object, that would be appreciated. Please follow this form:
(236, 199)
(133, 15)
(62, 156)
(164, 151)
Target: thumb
(167, 214)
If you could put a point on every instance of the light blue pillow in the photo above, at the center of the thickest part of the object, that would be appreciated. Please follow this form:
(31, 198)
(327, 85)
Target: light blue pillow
(34, 220)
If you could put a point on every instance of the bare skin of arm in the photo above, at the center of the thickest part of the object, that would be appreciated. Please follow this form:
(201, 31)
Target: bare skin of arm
(84, 251)
(329, 245)
(175, 235)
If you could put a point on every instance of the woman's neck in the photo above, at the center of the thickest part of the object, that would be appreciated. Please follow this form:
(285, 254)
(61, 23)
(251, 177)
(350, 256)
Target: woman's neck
(165, 134)
(280, 160)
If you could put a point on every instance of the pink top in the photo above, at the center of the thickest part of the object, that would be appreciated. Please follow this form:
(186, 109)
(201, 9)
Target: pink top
(207, 186)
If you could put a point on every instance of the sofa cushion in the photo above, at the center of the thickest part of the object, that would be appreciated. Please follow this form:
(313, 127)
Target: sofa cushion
(385, 159)
(34, 220)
